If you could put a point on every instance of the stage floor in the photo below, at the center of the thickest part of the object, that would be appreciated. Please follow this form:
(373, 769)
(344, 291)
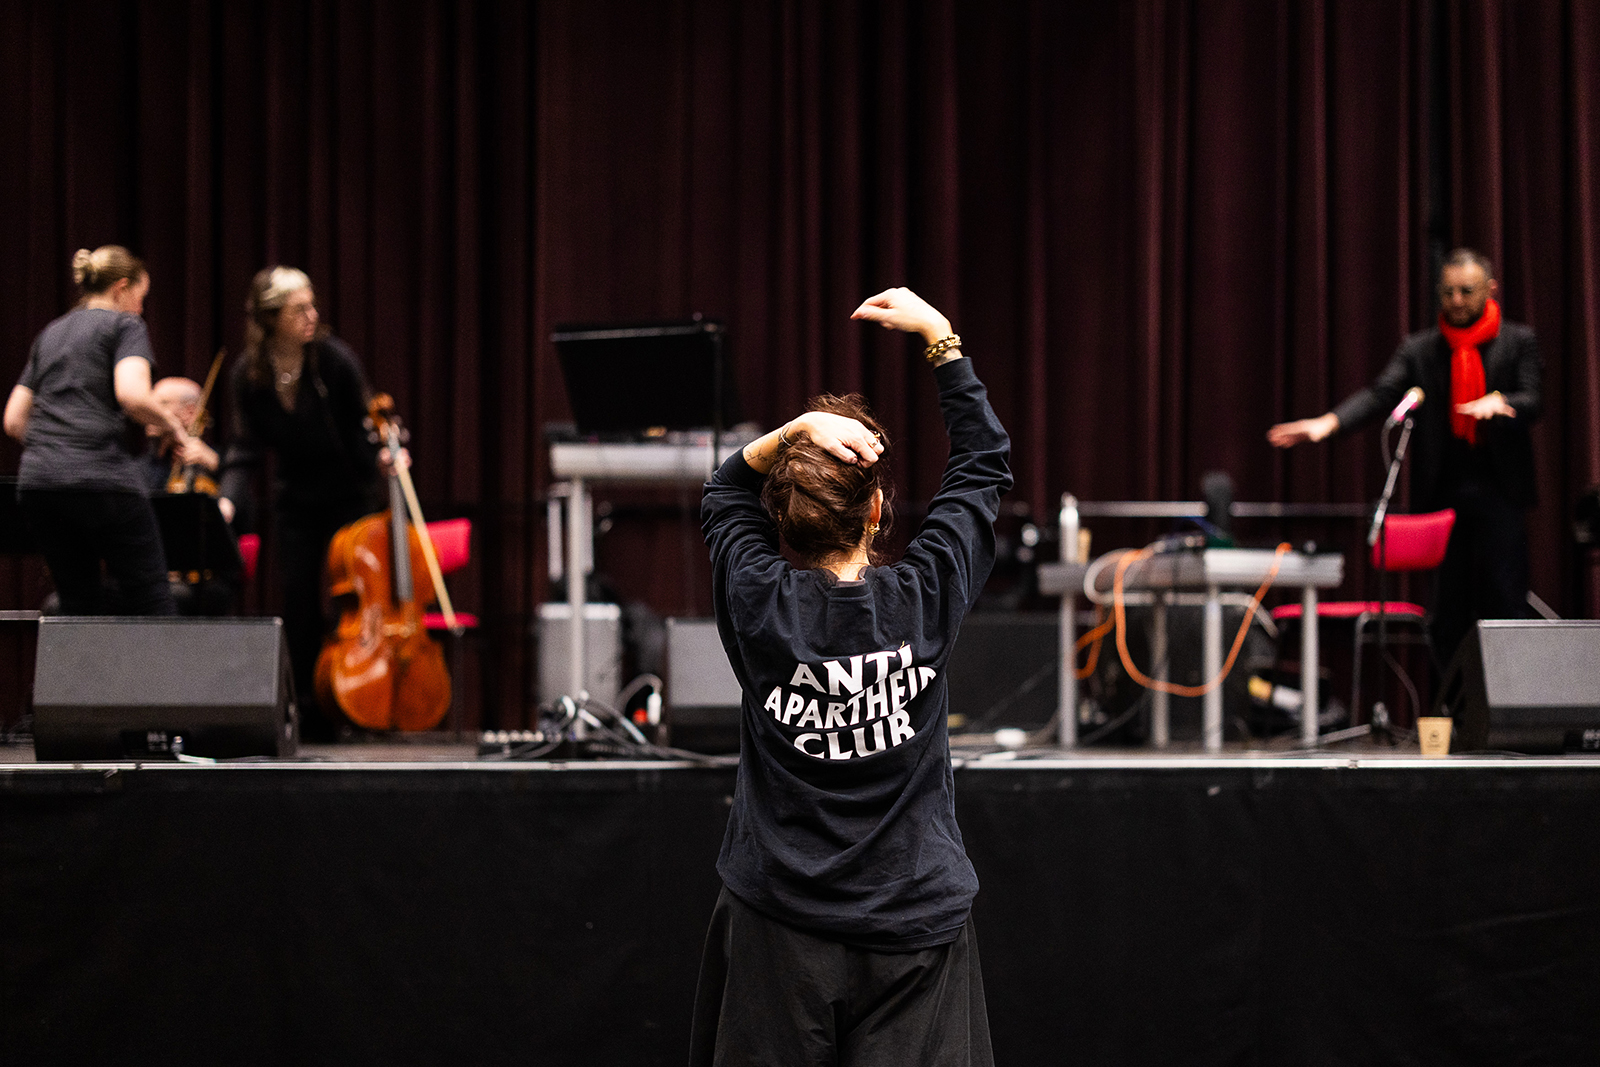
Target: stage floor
(411, 903)
(441, 750)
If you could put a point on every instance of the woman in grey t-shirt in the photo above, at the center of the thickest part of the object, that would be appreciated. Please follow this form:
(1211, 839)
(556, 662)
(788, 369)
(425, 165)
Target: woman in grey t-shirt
(79, 485)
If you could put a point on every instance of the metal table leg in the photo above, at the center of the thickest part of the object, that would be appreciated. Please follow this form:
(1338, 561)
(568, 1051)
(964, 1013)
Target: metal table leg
(1309, 668)
(1067, 693)
(1213, 667)
(1067, 698)
(577, 582)
(1160, 724)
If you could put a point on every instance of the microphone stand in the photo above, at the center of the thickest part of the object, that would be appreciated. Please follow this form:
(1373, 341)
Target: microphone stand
(1378, 535)
(1375, 532)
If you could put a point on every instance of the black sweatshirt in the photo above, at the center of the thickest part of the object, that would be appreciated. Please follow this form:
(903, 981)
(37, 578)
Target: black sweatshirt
(843, 820)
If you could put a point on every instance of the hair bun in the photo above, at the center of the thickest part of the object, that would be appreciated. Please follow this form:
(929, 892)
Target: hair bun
(82, 267)
(97, 271)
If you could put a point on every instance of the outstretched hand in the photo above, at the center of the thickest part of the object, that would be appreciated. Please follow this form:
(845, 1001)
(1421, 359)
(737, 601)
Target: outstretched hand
(1487, 407)
(901, 309)
(1289, 434)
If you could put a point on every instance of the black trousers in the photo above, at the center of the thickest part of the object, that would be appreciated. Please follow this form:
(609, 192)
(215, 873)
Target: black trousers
(1485, 570)
(79, 529)
(773, 996)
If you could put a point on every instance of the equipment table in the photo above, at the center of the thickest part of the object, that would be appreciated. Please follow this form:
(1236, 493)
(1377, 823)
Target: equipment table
(582, 463)
(1210, 571)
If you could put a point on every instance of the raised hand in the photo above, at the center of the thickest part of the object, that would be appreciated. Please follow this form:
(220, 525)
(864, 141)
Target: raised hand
(901, 309)
(839, 435)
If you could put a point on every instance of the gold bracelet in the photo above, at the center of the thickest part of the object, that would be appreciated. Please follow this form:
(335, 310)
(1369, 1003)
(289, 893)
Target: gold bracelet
(940, 347)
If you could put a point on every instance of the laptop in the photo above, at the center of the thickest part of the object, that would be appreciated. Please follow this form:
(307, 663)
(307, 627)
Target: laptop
(630, 382)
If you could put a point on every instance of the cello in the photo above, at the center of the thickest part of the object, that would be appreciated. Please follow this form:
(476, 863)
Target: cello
(379, 666)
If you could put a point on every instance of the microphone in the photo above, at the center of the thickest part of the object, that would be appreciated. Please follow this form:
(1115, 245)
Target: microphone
(1408, 403)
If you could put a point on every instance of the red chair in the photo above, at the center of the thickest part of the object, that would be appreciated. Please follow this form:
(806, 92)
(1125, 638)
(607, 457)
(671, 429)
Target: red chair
(250, 553)
(1414, 543)
(452, 543)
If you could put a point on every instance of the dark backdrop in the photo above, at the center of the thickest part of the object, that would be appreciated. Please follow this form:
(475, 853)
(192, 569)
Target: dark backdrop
(1161, 226)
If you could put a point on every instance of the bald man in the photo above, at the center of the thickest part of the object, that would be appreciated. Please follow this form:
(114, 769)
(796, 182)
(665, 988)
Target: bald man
(194, 595)
(181, 396)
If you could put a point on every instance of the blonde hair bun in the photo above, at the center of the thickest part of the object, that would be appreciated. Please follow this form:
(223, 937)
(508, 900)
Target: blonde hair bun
(82, 267)
(97, 271)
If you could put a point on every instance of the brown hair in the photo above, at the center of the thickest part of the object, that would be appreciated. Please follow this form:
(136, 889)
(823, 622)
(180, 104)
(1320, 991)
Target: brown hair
(820, 503)
(270, 289)
(95, 272)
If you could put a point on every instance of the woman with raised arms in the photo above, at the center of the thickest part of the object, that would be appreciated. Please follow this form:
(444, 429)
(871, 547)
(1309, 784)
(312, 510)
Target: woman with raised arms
(843, 932)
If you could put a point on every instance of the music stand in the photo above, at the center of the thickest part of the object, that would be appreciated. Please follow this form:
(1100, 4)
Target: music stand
(624, 380)
(16, 537)
(196, 537)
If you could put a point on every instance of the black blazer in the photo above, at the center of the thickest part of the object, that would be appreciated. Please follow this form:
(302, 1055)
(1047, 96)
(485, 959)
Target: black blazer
(1511, 364)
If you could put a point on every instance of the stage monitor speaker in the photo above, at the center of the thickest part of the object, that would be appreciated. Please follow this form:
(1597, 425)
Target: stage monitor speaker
(119, 688)
(703, 695)
(1003, 670)
(1525, 685)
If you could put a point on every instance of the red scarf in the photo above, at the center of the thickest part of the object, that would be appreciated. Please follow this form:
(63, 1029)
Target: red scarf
(1466, 366)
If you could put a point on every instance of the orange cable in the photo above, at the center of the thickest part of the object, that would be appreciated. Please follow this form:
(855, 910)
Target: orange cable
(1119, 612)
(1094, 639)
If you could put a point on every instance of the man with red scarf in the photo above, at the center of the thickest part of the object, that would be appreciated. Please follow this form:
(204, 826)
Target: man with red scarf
(1471, 449)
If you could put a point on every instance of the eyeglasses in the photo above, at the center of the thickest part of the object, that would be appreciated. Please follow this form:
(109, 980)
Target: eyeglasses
(1447, 291)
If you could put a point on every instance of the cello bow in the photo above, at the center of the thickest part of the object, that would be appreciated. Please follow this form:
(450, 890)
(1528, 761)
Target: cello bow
(418, 523)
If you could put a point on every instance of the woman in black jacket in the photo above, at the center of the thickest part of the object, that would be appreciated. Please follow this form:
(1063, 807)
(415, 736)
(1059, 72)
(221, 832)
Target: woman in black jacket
(300, 394)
